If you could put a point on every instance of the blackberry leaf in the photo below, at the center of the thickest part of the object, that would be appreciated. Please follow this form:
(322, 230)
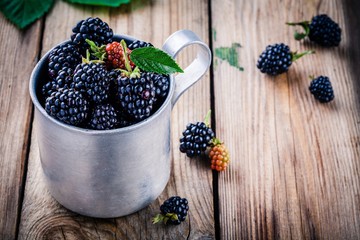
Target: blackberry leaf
(107, 3)
(152, 59)
(22, 13)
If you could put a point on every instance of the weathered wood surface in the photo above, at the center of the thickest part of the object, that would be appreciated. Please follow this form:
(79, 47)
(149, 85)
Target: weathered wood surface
(43, 218)
(18, 55)
(295, 170)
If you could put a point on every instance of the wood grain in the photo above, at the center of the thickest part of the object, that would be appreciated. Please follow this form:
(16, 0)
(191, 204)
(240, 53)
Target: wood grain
(295, 165)
(43, 218)
(18, 55)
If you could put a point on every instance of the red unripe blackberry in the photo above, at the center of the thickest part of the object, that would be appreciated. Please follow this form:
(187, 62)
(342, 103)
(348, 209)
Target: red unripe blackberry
(115, 57)
(219, 157)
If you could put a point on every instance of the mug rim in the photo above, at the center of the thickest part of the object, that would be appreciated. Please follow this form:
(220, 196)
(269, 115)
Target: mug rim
(35, 75)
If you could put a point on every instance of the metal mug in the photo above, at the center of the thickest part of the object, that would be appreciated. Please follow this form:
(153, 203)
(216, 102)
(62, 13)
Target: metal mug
(113, 173)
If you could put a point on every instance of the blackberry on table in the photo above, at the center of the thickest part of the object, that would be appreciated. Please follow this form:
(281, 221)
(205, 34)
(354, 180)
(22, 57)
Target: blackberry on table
(139, 44)
(68, 106)
(321, 88)
(65, 55)
(136, 95)
(92, 79)
(93, 29)
(196, 138)
(321, 30)
(277, 59)
(173, 211)
(63, 80)
(103, 117)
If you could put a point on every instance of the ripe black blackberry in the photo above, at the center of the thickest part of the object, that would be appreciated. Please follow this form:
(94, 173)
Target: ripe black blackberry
(196, 138)
(103, 117)
(161, 83)
(277, 59)
(136, 95)
(321, 88)
(322, 30)
(92, 79)
(63, 80)
(93, 29)
(173, 211)
(139, 44)
(68, 106)
(65, 55)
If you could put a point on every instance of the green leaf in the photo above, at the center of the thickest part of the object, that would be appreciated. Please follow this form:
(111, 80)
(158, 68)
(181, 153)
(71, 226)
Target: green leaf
(152, 59)
(24, 12)
(107, 3)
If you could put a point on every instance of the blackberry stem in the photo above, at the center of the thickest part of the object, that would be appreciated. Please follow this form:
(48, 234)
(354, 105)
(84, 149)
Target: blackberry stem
(207, 118)
(295, 56)
(127, 63)
(305, 25)
(98, 52)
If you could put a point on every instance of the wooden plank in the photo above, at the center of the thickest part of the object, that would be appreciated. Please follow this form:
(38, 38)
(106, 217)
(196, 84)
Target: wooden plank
(295, 165)
(44, 218)
(18, 55)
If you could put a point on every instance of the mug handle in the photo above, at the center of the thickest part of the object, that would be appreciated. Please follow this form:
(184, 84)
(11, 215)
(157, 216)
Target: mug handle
(197, 68)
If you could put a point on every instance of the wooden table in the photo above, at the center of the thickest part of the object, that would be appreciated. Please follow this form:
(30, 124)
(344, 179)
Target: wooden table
(295, 166)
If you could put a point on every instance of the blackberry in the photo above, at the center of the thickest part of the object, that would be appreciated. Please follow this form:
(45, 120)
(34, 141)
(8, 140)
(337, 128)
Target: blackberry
(63, 80)
(173, 211)
(321, 88)
(139, 44)
(277, 59)
(321, 30)
(115, 55)
(161, 83)
(93, 29)
(219, 156)
(196, 138)
(68, 106)
(103, 117)
(136, 95)
(92, 79)
(65, 55)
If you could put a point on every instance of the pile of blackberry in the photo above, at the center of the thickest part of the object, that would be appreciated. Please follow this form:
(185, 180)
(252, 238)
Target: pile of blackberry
(90, 92)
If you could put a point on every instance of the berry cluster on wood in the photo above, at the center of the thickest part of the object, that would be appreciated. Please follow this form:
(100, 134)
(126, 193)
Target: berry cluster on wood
(277, 58)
